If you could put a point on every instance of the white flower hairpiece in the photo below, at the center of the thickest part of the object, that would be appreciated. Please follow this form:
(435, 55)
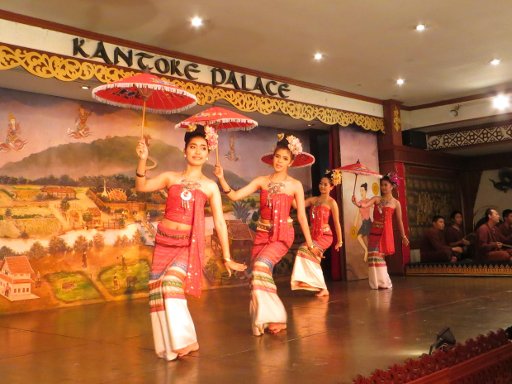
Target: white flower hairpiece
(294, 144)
(212, 137)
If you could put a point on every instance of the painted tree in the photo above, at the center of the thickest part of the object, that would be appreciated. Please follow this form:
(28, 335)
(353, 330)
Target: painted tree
(6, 251)
(98, 242)
(81, 245)
(36, 251)
(57, 246)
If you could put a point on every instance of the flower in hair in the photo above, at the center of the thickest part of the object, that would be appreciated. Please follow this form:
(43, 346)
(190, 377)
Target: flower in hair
(280, 136)
(191, 127)
(294, 145)
(393, 177)
(335, 176)
(211, 136)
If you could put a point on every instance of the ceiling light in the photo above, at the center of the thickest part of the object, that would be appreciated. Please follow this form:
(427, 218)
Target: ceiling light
(400, 82)
(495, 62)
(501, 102)
(420, 27)
(196, 22)
(85, 87)
(318, 56)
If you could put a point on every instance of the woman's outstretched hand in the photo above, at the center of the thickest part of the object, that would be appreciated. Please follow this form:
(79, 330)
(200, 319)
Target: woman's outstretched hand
(338, 246)
(142, 150)
(234, 266)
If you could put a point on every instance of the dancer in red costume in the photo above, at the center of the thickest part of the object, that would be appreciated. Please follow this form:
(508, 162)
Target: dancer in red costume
(274, 234)
(307, 273)
(380, 241)
(179, 243)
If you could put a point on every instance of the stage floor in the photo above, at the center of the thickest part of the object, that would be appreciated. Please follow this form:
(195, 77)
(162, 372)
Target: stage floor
(355, 330)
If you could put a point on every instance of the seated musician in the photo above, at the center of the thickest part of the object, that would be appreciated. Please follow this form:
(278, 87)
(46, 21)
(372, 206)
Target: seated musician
(434, 246)
(505, 228)
(489, 241)
(454, 234)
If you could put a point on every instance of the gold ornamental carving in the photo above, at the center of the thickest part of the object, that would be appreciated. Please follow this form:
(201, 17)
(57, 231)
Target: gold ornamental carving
(68, 69)
(397, 124)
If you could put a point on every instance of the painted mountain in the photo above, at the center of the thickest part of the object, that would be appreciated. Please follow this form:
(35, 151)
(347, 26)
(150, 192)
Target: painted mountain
(102, 157)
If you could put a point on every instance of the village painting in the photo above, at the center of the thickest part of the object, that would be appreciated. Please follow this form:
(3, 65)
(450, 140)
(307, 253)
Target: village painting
(73, 230)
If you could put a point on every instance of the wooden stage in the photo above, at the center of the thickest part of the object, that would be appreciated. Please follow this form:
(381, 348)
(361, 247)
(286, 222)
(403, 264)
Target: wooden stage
(354, 331)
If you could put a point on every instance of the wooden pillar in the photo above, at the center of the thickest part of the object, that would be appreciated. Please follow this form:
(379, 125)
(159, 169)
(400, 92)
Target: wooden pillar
(388, 143)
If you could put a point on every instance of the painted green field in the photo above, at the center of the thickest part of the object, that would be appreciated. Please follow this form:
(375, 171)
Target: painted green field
(72, 286)
(131, 278)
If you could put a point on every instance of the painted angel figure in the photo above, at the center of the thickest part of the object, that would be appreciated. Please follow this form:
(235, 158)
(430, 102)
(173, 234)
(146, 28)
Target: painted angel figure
(13, 141)
(81, 129)
(231, 155)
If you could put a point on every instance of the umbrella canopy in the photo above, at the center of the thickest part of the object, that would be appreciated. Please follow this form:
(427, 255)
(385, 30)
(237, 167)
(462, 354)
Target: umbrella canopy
(145, 92)
(358, 169)
(220, 118)
(302, 159)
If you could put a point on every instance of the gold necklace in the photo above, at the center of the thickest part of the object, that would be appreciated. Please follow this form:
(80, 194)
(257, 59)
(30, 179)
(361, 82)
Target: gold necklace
(187, 186)
(274, 187)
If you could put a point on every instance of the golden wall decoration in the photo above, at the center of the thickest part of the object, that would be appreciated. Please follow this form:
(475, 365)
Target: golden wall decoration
(397, 123)
(69, 69)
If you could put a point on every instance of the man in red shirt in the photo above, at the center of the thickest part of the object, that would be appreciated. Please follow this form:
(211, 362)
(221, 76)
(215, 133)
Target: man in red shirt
(489, 241)
(434, 246)
(505, 228)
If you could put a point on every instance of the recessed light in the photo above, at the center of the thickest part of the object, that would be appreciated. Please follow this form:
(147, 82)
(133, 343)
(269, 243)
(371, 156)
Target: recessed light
(501, 102)
(310, 124)
(400, 82)
(495, 61)
(196, 22)
(85, 87)
(318, 56)
(421, 27)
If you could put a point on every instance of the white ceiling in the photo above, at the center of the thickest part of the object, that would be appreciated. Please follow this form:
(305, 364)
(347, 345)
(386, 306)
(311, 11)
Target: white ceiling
(367, 43)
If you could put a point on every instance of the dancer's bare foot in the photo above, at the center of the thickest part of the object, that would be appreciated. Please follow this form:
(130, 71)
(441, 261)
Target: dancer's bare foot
(275, 328)
(322, 293)
(188, 349)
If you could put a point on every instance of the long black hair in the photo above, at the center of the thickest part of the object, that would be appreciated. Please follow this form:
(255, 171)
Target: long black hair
(197, 132)
(283, 144)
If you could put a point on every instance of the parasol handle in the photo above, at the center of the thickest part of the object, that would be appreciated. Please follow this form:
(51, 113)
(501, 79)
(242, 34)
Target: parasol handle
(217, 155)
(143, 119)
(355, 183)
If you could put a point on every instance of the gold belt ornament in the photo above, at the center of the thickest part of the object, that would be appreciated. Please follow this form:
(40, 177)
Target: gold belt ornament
(171, 236)
(267, 227)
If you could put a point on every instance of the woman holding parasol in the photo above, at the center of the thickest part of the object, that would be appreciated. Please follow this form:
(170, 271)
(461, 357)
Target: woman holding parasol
(179, 244)
(275, 233)
(380, 240)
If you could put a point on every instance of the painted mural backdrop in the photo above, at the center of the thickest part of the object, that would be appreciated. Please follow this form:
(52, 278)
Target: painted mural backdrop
(494, 191)
(356, 145)
(73, 229)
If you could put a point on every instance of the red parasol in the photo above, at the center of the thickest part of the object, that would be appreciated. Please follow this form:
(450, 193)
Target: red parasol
(358, 169)
(303, 159)
(219, 119)
(145, 92)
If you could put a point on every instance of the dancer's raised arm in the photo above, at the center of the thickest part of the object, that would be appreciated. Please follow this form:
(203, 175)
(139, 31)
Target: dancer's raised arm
(241, 193)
